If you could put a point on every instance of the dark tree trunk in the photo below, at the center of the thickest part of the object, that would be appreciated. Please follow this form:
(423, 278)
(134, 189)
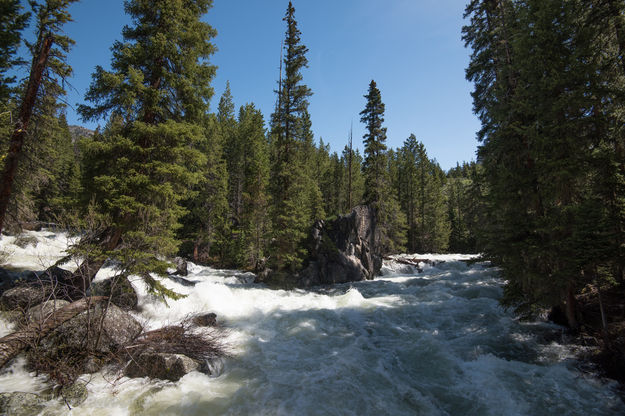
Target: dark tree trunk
(19, 134)
(571, 309)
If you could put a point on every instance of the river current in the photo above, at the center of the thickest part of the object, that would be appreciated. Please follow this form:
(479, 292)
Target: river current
(407, 343)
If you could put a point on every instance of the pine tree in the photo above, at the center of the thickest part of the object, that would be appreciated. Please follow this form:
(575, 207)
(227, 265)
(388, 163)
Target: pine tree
(421, 183)
(378, 188)
(547, 75)
(48, 66)
(295, 201)
(374, 167)
(143, 165)
(354, 189)
(12, 23)
(255, 223)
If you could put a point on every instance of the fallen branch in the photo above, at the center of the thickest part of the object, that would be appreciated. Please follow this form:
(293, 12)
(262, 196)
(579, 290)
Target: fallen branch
(14, 343)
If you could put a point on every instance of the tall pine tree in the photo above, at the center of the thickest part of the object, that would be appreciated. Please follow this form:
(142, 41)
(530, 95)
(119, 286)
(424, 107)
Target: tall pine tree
(295, 201)
(157, 96)
(378, 188)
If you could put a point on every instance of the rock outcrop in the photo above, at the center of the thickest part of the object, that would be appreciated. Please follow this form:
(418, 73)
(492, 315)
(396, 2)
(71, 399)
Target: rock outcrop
(343, 250)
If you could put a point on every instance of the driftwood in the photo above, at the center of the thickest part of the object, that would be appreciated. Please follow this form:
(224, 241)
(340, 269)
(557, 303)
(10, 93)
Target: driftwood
(411, 262)
(14, 343)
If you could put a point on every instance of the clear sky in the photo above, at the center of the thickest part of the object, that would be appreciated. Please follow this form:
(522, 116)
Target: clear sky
(411, 48)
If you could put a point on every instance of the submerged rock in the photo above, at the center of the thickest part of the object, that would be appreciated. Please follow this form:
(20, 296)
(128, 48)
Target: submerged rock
(163, 366)
(344, 250)
(20, 404)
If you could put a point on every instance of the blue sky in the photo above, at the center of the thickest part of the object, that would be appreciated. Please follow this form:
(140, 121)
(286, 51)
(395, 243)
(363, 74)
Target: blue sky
(411, 48)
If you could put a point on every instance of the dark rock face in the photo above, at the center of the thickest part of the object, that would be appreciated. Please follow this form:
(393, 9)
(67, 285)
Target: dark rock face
(163, 366)
(343, 250)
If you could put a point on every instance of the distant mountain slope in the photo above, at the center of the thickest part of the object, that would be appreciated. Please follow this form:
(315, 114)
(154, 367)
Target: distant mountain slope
(78, 131)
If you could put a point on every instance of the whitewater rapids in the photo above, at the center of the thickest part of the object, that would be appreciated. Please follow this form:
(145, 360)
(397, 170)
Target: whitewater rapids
(407, 343)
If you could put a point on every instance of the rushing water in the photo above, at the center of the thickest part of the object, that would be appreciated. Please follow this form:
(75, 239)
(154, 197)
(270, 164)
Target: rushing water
(431, 343)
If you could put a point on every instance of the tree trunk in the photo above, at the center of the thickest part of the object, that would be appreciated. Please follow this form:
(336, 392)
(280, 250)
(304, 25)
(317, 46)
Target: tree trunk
(14, 343)
(82, 277)
(571, 310)
(19, 134)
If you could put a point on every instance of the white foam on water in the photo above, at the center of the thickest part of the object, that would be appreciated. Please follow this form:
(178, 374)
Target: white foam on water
(430, 343)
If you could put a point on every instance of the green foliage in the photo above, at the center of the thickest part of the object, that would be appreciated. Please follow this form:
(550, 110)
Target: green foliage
(464, 205)
(153, 150)
(549, 81)
(374, 166)
(421, 193)
(48, 169)
(391, 221)
(12, 23)
(255, 222)
(296, 199)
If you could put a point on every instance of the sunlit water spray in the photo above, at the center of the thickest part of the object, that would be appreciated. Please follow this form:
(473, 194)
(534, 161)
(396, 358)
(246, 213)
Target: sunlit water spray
(431, 343)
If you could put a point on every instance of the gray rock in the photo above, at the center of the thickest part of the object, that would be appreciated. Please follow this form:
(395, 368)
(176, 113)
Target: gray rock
(246, 278)
(163, 366)
(83, 331)
(75, 394)
(208, 319)
(44, 310)
(24, 297)
(344, 250)
(20, 404)
(119, 289)
(181, 266)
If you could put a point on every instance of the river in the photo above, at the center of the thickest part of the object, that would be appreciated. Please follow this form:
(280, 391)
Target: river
(407, 343)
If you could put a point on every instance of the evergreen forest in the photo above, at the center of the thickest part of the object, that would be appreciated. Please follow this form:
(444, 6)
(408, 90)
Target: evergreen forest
(165, 176)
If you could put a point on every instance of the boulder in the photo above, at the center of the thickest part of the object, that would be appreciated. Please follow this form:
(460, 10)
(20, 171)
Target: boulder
(7, 280)
(44, 310)
(74, 394)
(83, 332)
(20, 404)
(181, 266)
(119, 289)
(344, 250)
(24, 297)
(160, 365)
(208, 319)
